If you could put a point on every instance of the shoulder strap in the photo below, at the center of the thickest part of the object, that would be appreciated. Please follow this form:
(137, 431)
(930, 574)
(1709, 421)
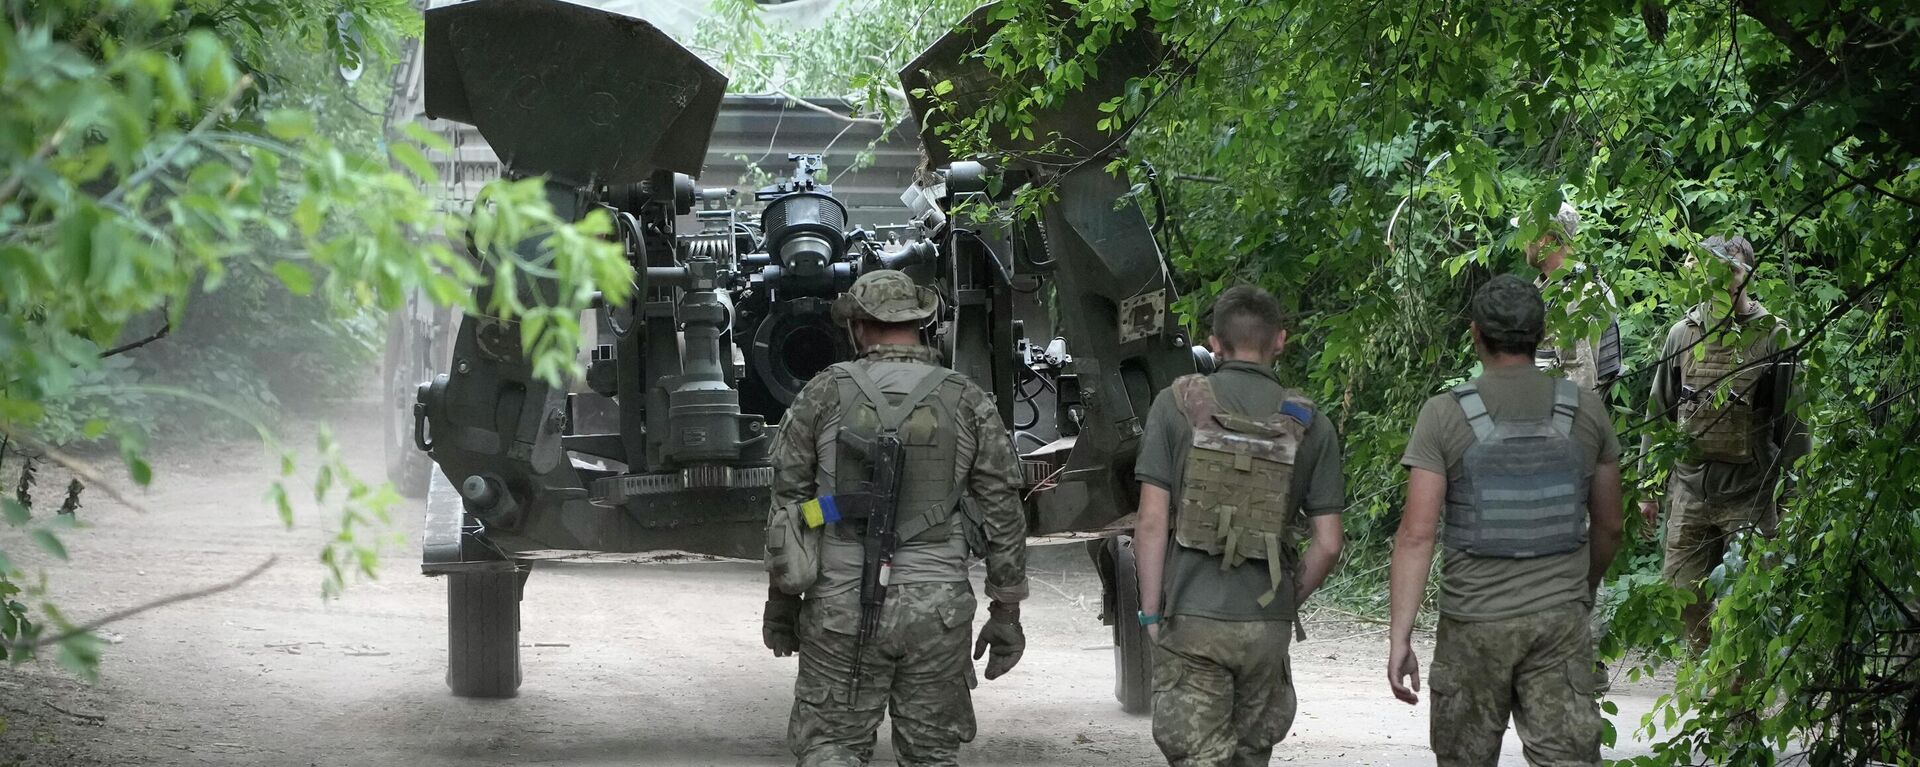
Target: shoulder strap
(894, 415)
(1475, 409)
(1566, 402)
(1194, 394)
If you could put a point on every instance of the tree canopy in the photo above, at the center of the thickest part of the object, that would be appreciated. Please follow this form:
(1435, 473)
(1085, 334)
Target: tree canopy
(1372, 161)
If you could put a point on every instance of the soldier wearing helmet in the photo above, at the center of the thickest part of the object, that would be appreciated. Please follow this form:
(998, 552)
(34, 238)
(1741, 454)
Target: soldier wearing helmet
(957, 501)
(1723, 378)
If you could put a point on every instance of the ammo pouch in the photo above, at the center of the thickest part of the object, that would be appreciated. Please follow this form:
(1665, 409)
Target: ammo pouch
(1236, 492)
(792, 550)
(1716, 403)
(1525, 493)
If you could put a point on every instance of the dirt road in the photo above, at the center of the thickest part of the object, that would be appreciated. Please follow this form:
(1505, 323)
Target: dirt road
(653, 664)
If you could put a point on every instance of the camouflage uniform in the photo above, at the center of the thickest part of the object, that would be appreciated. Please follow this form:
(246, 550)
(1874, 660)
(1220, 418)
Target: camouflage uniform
(916, 667)
(1548, 693)
(1199, 658)
(1709, 502)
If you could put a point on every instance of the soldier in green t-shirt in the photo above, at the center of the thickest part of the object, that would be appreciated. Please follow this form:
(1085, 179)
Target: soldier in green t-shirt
(1524, 468)
(1234, 465)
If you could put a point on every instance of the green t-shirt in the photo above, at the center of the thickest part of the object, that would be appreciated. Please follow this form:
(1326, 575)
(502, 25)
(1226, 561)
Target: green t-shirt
(1489, 588)
(1194, 584)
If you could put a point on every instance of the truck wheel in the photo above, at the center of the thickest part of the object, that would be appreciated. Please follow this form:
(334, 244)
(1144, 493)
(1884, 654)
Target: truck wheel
(407, 465)
(1132, 647)
(483, 634)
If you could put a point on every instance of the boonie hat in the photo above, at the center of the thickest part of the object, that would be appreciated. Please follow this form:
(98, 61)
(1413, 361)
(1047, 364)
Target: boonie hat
(885, 295)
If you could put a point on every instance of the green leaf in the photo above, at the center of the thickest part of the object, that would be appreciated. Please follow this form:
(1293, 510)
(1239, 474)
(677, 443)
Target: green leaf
(16, 513)
(290, 125)
(139, 471)
(50, 543)
(298, 280)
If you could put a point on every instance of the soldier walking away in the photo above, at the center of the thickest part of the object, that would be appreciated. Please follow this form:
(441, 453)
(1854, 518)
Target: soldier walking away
(1722, 376)
(1240, 463)
(891, 473)
(1524, 468)
(1593, 361)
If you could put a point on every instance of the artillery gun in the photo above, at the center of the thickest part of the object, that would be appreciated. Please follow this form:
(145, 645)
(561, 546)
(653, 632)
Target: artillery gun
(665, 448)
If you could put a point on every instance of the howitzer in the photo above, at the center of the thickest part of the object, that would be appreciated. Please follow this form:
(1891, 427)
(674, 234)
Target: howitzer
(664, 445)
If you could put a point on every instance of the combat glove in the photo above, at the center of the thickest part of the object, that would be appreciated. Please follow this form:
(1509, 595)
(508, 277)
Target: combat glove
(1002, 633)
(779, 624)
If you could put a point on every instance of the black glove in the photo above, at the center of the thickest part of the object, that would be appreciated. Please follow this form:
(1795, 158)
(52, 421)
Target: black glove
(779, 623)
(1002, 633)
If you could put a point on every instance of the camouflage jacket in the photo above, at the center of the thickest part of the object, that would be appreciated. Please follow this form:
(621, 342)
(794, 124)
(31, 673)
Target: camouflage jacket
(986, 465)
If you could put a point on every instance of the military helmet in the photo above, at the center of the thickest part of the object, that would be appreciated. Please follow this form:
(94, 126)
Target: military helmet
(885, 295)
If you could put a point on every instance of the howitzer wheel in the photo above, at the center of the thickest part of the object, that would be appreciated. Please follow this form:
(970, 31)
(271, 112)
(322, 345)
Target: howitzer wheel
(1132, 647)
(483, 633)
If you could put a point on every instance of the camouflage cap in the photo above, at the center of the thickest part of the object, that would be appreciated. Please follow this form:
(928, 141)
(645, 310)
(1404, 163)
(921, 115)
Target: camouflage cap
(1509, 310)
(885, 295)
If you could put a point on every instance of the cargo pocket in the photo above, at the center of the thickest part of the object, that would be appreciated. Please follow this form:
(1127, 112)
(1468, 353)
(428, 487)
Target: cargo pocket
(1582, 677)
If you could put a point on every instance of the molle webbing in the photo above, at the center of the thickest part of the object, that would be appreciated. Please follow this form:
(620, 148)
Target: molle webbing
(1524, 493)
(1236, 493)
(1716, 404)
(929, 495)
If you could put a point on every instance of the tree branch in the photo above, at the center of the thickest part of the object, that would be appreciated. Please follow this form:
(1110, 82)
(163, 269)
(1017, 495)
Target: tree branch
(165, 328)
(185, 596)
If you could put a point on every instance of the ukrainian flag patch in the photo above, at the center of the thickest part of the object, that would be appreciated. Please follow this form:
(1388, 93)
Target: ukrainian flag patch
(820, 511)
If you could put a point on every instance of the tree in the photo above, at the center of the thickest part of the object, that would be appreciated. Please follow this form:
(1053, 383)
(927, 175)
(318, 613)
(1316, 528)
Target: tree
(1363, 158)
(150, 150)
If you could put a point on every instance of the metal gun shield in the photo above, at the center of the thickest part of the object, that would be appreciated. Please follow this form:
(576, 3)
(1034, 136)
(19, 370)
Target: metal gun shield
(579, 94)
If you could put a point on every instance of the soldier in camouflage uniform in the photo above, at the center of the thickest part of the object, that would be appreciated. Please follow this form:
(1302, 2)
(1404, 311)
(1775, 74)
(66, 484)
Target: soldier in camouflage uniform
(1233, 465)
(1593, 362)
(1524, 468)
(958, 501)
(1720, 379)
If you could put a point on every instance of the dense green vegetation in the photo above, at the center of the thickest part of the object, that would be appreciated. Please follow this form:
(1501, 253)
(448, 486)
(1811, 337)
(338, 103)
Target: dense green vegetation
(172, 173)
(1363, 159)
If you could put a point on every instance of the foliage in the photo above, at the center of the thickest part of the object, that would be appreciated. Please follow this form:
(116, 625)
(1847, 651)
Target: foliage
(1364, 159)
(153, 151)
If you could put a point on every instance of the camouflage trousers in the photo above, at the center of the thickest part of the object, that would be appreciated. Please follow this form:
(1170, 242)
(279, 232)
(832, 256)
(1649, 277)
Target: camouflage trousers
(1536, 669)
(915, 668)
(1698, 531)
(1222, 691)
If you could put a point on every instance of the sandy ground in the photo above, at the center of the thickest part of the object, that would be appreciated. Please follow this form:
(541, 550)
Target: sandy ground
(656, 664)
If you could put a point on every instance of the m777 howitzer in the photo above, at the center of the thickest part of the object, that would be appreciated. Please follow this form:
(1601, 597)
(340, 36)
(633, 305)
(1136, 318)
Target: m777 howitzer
(667, 448)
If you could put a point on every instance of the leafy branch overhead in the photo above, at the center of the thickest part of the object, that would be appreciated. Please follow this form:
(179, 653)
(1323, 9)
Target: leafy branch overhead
(152, 151)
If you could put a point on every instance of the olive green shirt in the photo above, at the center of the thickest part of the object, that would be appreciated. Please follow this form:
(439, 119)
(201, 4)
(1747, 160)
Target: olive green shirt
(1194, 583)
(1492, 588)
(1778, 438)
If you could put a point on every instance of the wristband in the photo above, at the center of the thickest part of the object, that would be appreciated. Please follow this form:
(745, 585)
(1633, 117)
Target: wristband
(1147, 619)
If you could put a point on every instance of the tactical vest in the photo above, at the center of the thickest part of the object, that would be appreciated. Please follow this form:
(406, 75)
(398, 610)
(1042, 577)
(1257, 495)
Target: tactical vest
(1607, 354)
(1716, 402)
(1236, 495)
(916, 402)
(1525, 493)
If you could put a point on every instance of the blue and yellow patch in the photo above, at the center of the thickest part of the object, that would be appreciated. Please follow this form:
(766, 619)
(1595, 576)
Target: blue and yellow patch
(820, 512)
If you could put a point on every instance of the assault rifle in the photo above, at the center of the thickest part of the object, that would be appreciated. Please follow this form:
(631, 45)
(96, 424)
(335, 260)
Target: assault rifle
(876, 501)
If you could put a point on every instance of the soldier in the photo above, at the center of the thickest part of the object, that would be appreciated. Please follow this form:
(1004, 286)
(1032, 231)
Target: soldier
(1721, 376)
(1525, 468)
(1593, 362)
(957, 500)
(1237, 460)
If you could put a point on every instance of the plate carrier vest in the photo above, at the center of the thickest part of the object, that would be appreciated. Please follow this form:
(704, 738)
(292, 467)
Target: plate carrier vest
(1236, 495)
(1525, 493)
(912, 401)
(1716, 406)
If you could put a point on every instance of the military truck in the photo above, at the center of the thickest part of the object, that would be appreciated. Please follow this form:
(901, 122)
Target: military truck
(1065, 317)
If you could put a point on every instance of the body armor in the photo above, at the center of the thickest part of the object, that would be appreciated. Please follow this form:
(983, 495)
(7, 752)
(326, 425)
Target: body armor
(917, 403)
(1236, 495)
(1525, 492)
(1592, 365)
(1717, 397)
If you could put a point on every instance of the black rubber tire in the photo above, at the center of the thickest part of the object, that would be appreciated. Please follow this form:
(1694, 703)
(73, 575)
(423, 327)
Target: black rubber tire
(407, 465)
(1132, 647)
(483, 634)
